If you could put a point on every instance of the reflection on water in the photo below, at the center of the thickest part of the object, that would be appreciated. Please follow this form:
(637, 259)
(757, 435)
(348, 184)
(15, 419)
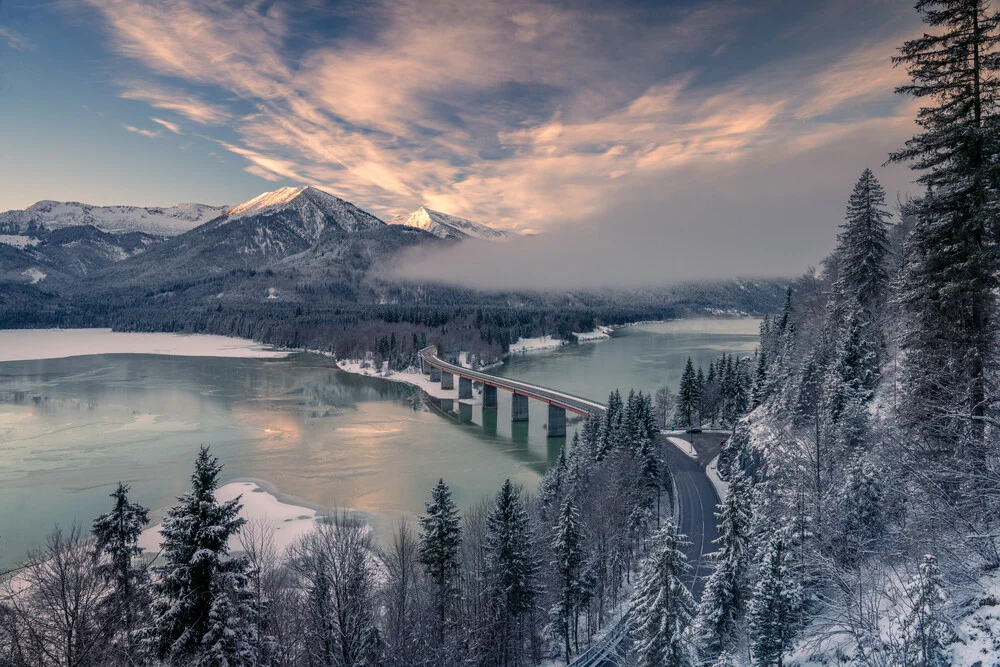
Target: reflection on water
(70, 429)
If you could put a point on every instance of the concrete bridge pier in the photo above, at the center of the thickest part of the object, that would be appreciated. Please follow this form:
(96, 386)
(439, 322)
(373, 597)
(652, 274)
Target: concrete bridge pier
(447, 405)
(447, 380)
(557, 422)
(465, 412)
(489, 396)
(518, 408)
(464, 388)
(435, 374)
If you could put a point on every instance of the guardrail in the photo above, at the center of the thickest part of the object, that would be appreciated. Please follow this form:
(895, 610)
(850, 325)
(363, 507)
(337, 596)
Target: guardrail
(607, 648)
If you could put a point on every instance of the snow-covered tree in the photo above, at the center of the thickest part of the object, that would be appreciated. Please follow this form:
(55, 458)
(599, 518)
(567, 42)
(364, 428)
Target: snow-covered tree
(723, 602)
(661, 606)
(511, 570)
(440, 539)
(774, 606)
(569, 555)
(688, 396)
(863, 246)
(927, 631)
(200, 610)
(117, 536)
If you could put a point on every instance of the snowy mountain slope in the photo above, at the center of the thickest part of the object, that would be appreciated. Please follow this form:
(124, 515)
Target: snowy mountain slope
(450, 226)
(53, 215)
(312, 211)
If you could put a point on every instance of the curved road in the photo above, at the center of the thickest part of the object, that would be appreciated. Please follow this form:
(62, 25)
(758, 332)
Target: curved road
(695, 496)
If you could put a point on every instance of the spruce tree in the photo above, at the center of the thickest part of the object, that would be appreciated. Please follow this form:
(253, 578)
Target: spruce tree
(774, 606)
(440, 539)
(724, 600)
(201, 610)
(661, 606)
(512, 570)
(117, 535)
(688, 397)
(863, 246)
(952, 268)
(568, 548)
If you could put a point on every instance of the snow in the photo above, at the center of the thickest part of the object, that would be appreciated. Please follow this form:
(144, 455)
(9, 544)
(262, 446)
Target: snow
(450, 226)
(286, 522)
(411, 376)
(721, 486)
(548, 342)
(278, 198)
(314, 208)
(170, 221)
(31, 344)
(34, 275)
(684, 446)
(18, 240)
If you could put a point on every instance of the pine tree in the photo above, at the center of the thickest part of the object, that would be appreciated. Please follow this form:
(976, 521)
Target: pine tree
(512, 570)
(554, 482)
(613, 417)
(951, 273)
(661, 606)
(724, 600)
(863, 246)
(568, 548)
(855, 373)
(774, 606)
(758, 391)
(688, 397)
(926, 629)
(861, 512)
(200, 593)
(117, 534)
(440, 539)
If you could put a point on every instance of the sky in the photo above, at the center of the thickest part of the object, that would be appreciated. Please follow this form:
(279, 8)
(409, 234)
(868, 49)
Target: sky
(649, 128)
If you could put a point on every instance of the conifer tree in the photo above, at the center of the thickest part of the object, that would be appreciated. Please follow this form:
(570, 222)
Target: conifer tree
(661, 606)
(926, 629)
(117, 534)
(688, 397)
(440, 539)
(201, 611)
(724, 600)
(863, 246)
(774, 606)
(951, 274)
(758, 391)
(568, 548)
(511, 570)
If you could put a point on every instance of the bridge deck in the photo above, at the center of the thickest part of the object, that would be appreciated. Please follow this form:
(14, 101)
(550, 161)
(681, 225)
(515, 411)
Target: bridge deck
(576, 404)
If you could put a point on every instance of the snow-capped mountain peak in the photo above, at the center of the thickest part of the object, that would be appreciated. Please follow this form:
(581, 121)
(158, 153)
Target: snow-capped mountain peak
(446, 226)
(266, 200)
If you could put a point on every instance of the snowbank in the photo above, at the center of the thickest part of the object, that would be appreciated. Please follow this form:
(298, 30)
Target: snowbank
(684, 446)
(548, 342)
(411, 376)
(721, 486)
(287, 522)
(32, 344)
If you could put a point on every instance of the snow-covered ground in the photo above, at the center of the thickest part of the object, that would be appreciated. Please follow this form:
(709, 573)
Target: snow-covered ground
(548, 342)
(18, 240)
(287, 523)
(721, 486)
(411, 376)
(684, 446)
(30, 344)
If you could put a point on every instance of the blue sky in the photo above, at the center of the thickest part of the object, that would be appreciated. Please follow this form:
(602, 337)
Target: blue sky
(528, 115)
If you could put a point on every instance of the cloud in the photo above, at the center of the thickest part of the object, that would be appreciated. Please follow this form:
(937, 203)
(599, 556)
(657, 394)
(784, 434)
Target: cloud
(150, 134)
(189, 106)
(529, 115)
(173, 127)
(16, 40)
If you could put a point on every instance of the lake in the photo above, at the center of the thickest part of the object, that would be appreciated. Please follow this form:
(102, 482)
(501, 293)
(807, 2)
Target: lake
(71, 428)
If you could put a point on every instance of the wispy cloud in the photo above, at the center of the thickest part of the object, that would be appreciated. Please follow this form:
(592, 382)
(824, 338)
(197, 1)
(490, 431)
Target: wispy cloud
(16, 40)
(151, 134)
(173, 127)
(519, 113)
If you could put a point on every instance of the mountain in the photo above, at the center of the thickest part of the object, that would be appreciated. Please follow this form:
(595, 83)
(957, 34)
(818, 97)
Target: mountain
(447, 226)
(258, 232)
(51, 215)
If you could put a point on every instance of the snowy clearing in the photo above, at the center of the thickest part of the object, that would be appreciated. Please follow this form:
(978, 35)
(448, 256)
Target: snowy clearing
(549, 343)
(287, 522)
(34, 275)
(18, 240)
(411, 376)
(32, 344)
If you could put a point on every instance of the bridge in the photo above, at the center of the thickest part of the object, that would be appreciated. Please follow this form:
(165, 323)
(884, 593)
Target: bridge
(559, 402)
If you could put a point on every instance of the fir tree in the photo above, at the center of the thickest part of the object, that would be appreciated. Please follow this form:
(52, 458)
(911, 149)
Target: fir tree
(926, 629)
(951, 272)
(512, 570)
(774, 606)
(688, 398)
(568, 548)
(440, 539)
(200, 609)
(117, 534)
(724, 600)
(661, 605)
(863, 246)
(758, 391)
